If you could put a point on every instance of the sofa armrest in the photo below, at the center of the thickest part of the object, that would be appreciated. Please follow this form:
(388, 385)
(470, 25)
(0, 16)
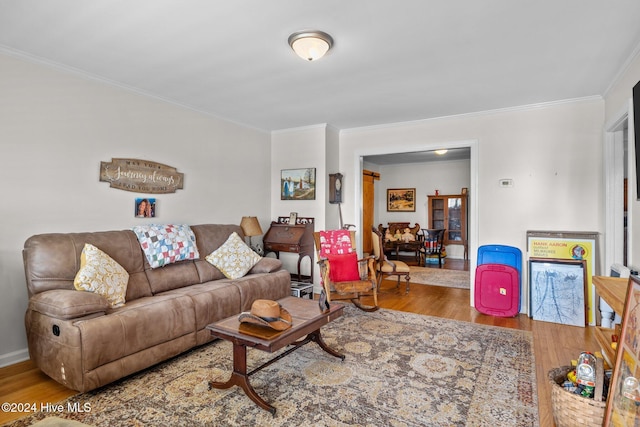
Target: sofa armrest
(266, 265)
(68, 304)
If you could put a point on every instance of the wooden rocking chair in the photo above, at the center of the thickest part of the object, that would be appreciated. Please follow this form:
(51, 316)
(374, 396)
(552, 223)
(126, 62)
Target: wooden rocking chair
(344, 276)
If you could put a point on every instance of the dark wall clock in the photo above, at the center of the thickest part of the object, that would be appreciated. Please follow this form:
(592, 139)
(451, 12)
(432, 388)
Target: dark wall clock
(335, 188)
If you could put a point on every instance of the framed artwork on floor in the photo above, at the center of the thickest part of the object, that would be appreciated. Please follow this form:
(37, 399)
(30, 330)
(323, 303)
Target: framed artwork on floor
(558, 289)
(623, 403)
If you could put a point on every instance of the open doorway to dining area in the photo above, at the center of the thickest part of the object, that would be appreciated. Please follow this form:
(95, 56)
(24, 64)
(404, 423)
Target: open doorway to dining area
(425, 190)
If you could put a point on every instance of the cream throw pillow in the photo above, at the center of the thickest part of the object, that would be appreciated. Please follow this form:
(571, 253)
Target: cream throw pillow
(99, 273)
(234, 258)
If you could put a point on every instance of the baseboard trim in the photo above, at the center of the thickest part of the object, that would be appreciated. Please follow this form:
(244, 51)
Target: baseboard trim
(14, 357)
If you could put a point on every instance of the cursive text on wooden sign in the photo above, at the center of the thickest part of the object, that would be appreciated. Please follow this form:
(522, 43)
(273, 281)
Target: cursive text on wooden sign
(141, 176)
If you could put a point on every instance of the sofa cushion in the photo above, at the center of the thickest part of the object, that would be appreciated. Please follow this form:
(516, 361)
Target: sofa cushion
(266, 265)
(166, 244)
(234, 258)
(100, 274)
(67, 304)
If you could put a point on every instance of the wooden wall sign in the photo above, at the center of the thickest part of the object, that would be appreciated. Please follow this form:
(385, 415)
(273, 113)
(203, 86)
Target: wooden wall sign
(141, 176)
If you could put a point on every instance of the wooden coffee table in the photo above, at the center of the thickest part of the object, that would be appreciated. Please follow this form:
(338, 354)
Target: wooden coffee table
(307, 319)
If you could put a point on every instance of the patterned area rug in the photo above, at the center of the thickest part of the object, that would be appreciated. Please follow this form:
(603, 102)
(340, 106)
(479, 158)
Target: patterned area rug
(401, 369)
(440, 277)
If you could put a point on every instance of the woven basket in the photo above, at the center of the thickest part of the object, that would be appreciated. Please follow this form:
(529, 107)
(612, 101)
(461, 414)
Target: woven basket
(570, 409)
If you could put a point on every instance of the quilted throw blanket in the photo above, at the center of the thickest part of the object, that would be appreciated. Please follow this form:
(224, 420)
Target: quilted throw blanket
(166, 244)
(335, 242)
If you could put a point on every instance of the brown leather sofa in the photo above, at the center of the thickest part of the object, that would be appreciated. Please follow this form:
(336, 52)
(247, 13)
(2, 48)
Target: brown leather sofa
(78, 340)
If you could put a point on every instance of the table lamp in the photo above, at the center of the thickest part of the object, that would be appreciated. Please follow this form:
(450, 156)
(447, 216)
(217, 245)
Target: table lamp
(251, 227)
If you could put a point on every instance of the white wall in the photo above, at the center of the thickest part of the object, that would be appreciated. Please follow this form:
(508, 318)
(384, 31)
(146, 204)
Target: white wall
(56, 128)
(300, 148)
(552, 152)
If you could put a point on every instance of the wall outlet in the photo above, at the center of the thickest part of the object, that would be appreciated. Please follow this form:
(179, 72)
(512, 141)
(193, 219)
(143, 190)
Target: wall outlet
(505, 182)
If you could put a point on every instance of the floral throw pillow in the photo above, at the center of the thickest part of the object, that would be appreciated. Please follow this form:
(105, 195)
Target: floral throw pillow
(234, 258)
(100, 274)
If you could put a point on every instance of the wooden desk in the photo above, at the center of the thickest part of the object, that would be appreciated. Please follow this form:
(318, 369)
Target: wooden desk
(295, 238)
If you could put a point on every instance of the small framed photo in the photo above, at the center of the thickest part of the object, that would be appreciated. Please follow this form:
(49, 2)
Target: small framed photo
(401, 200)
(293, 218)
(464, 191)
(145, 208)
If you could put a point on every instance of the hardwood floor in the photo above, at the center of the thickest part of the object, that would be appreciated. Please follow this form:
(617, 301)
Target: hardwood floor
(554, 345)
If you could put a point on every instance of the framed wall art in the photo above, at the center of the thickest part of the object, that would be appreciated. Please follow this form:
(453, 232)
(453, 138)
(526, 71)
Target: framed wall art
(298, 184)
(623, 403)
(145, 208)
(558, 289)
(401, 200)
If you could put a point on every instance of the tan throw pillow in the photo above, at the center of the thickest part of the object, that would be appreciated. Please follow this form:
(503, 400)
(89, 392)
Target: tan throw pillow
(234, 258)
(99, 273)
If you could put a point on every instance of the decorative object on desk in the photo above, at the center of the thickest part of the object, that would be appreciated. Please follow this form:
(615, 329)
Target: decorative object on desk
(443, 380)
(558, 290)
(141, 176)
(145, 208)
(401, 199)
(293, 218)
(623, 408)
(298, 184)
(335, 188)
(267, 313)
(251, 227)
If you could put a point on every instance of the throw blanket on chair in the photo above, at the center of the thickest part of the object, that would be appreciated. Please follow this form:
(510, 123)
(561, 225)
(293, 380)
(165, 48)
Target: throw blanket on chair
(335, 245)
(335, 242)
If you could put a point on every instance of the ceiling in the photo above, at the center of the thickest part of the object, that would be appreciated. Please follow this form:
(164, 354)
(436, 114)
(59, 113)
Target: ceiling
(393, 61)
(419, 157)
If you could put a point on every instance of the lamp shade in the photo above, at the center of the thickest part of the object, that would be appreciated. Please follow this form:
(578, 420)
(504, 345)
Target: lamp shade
(310, 45)
(250, 226)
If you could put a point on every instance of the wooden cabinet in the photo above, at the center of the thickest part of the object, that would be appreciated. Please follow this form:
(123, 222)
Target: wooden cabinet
(449, 212)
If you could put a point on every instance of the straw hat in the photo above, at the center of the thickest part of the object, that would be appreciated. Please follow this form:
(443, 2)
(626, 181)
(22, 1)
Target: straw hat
(267, 313)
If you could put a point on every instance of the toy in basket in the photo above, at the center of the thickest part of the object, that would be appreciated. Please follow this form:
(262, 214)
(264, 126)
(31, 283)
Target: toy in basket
(576, 410)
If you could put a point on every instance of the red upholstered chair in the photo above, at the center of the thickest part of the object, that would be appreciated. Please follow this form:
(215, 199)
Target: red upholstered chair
(384, 266)
(344, 276)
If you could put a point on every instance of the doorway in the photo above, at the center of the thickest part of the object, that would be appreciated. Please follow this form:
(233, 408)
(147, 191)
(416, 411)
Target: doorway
(617, 217)
(400, 148)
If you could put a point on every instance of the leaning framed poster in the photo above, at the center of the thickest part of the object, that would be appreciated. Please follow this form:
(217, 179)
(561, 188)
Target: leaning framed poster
(623, 403)
(558, 289)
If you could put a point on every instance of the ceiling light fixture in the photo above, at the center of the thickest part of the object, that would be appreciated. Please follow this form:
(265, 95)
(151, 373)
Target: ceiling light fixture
(441, 152)
(310, 45)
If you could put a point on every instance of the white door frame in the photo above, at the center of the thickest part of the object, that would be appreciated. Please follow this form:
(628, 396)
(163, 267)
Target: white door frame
(472, 226)
(613, 188)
